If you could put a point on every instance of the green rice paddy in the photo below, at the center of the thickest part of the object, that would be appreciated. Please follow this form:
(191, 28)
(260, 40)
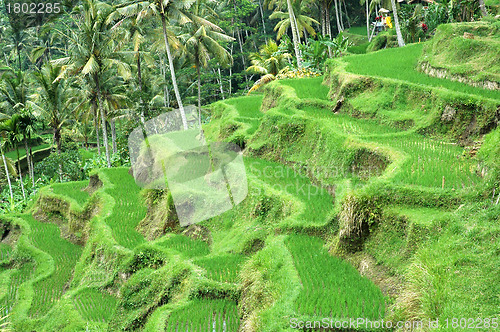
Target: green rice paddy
(399, 63)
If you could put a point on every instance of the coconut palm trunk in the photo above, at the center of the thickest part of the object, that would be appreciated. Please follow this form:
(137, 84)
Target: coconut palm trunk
(198, 73)
(339, 26)
(28, 159)
(367, 21)
(484, 12)
(172, 71)
(262, 16)
(113, 135)
(8, 176)
(401, 42)
(20, 173)
(103, 121)
(295, 33)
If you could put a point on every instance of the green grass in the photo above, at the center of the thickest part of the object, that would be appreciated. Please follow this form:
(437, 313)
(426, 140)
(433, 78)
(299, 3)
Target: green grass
(127, 213)
(308, 88)
(87, 154)
(224, 268)
(331, 286)
(17, 277)
(357, 30)
(72, 190)
(185, 245)
(13, 154)
(430, 160)
(205, 315)
(399, 63)
(95, 305)
(47, 237)
(248, 108)
(316, 201)
(5, 251)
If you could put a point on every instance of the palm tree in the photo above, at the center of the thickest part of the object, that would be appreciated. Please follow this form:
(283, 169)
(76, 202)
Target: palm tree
(12, 129)
(52, 99)
(268, 62)
(166, 11)
(202, 43)
(8, 165)
(26, 126)
(13, 90)
(93, 52)
(304, 23)
(293, 25)
(401, 42)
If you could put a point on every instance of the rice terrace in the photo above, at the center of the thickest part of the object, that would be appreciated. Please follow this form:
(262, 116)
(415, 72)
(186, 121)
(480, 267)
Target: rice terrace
(250, 165)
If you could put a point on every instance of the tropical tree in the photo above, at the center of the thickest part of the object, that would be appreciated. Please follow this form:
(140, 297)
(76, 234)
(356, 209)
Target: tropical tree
(203, 43)
(304, 22)
(51, 99)
(8, 165)
(293, 24)
(93, 52)
(168, 11)
(13, 132)
(26, 126)
(268, 62)
(401, 42)
(13, 91)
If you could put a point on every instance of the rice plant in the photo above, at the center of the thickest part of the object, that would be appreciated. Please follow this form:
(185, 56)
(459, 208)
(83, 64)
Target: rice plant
(17, 277)
(72, 190)
(201, 315)
(307, 88)
(433, 163)
(95, 305)
(331, 286)
(224, 268)
(400, 63)
(5, 251)
(47, 237)
(185, 245)
(127, 213)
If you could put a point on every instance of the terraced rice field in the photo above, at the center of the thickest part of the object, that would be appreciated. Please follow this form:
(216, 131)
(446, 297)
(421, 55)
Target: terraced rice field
(47, 237)
(399, 63)
(126, 213)
(223, 268)
(185, 245)
(95, 305)
(72, 190)
(331, 286)
(17, 277)
(205, 315)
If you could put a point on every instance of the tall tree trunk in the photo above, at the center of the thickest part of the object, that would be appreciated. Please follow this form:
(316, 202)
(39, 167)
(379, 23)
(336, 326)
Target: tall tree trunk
(8, 177)
(20, 172)
(57, 140)
(96, 125)
(339, 26)
(340, 15)
(322, 17)
(484, 12)
(240, 42)
(262, 16)
(139, 78)
(401, 42)
(346, 15)
(28, 159)
(220, 82)
(295, 36)
(113, 135)
(172, 71)
(198, 73)
(367, 21)
(103, 121)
